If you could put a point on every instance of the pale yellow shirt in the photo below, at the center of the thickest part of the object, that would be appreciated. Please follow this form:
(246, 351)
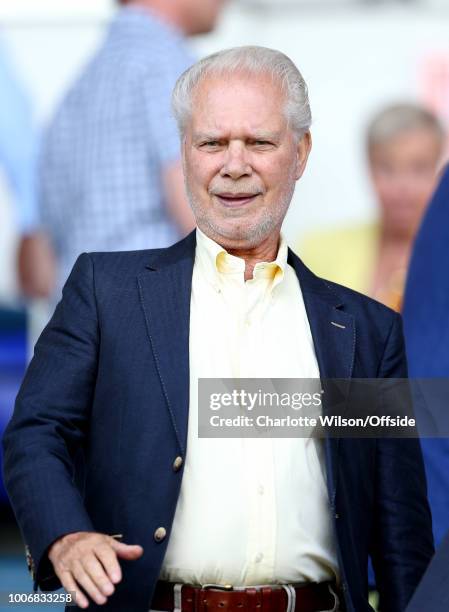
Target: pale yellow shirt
(250, 511)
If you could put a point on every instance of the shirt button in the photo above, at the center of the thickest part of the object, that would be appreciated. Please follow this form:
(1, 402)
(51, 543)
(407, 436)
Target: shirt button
(177, 464)
(160, 534)
(258, 557)
(247, 322)
(261, 489)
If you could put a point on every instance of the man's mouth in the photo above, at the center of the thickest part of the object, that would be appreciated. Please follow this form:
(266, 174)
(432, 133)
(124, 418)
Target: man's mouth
(233, 200)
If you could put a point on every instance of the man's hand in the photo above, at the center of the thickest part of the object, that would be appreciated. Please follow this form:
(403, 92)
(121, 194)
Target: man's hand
(36, 266)
(89, 560)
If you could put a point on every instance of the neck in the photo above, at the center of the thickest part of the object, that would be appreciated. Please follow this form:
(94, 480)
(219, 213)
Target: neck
(166, 11)
(266, 251)
(394, 240)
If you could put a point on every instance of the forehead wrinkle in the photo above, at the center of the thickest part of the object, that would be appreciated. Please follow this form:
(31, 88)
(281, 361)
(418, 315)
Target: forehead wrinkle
(205, 97)
(247, 132)
(226, 122)
(216, 128)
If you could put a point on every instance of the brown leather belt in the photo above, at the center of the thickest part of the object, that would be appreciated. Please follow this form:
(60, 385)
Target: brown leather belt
(310, 597)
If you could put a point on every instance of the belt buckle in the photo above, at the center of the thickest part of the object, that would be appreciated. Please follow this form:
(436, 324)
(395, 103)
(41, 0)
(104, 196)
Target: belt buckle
(219, 587)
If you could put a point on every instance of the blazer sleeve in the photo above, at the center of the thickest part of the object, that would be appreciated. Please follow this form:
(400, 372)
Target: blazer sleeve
(402, 541)
(50, 424)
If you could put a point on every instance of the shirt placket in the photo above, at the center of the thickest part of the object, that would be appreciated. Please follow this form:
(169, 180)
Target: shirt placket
(258, 453)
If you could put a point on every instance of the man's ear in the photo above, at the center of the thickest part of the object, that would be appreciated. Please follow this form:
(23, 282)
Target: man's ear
(304, 147)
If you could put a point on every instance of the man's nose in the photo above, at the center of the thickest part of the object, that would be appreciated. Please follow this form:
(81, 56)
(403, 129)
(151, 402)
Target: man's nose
(236, 163)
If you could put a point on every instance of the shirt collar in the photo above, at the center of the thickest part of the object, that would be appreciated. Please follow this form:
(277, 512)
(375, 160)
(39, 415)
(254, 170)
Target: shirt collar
(217, 261)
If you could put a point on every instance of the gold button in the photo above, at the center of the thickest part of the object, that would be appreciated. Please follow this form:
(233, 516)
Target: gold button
(160, 534)
(177, 463)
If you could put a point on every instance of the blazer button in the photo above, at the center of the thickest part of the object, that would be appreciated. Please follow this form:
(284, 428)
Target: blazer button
(160, 534)
(177, 464)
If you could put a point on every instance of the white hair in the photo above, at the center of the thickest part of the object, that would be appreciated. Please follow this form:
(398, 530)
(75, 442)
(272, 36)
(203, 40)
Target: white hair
(251, 60)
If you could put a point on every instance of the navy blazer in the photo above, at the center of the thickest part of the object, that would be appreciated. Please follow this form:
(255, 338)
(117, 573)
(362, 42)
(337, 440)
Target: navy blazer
(109, 382)
(432, 594)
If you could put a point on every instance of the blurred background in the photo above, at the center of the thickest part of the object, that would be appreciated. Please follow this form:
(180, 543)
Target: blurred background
(359, 57)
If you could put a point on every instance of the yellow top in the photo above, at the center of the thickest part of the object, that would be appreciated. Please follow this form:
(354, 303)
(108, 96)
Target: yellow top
(346, 256)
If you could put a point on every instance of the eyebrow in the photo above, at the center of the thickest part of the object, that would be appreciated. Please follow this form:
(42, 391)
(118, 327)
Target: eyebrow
(204, 136)
(266, 136)
(254, 136)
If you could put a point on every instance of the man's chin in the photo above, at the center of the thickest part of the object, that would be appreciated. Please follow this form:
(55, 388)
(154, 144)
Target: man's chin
(235, 235)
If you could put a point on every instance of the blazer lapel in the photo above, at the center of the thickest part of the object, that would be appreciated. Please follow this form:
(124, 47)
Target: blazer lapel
(334, 338)
(165, 289)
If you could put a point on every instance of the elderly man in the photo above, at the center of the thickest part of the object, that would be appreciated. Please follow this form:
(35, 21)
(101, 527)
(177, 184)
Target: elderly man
(205, 524)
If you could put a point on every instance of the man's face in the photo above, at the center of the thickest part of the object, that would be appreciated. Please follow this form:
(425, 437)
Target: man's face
(200, 16)
(403, 171)
(241, 159)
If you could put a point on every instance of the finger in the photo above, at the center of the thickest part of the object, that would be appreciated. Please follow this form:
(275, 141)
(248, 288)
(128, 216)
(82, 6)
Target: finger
(96, 573)
(84, 580)
(127, 551)
(108, 558)
(69, 584)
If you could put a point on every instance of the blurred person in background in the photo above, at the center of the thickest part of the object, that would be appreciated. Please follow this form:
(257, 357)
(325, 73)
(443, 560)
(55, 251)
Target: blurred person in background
(432, 594)
(405, 144)
(426, 327)
(110, 172)
(18, 154)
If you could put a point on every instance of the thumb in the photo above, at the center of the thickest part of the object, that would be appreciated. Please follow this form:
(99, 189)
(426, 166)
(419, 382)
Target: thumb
(127, 551)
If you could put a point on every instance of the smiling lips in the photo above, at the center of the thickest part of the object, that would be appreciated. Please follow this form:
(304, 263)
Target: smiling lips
(233, 200)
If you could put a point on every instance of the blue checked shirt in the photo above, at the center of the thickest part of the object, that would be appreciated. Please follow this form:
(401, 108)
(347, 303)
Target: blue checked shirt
(18, 145)
(105, 150)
